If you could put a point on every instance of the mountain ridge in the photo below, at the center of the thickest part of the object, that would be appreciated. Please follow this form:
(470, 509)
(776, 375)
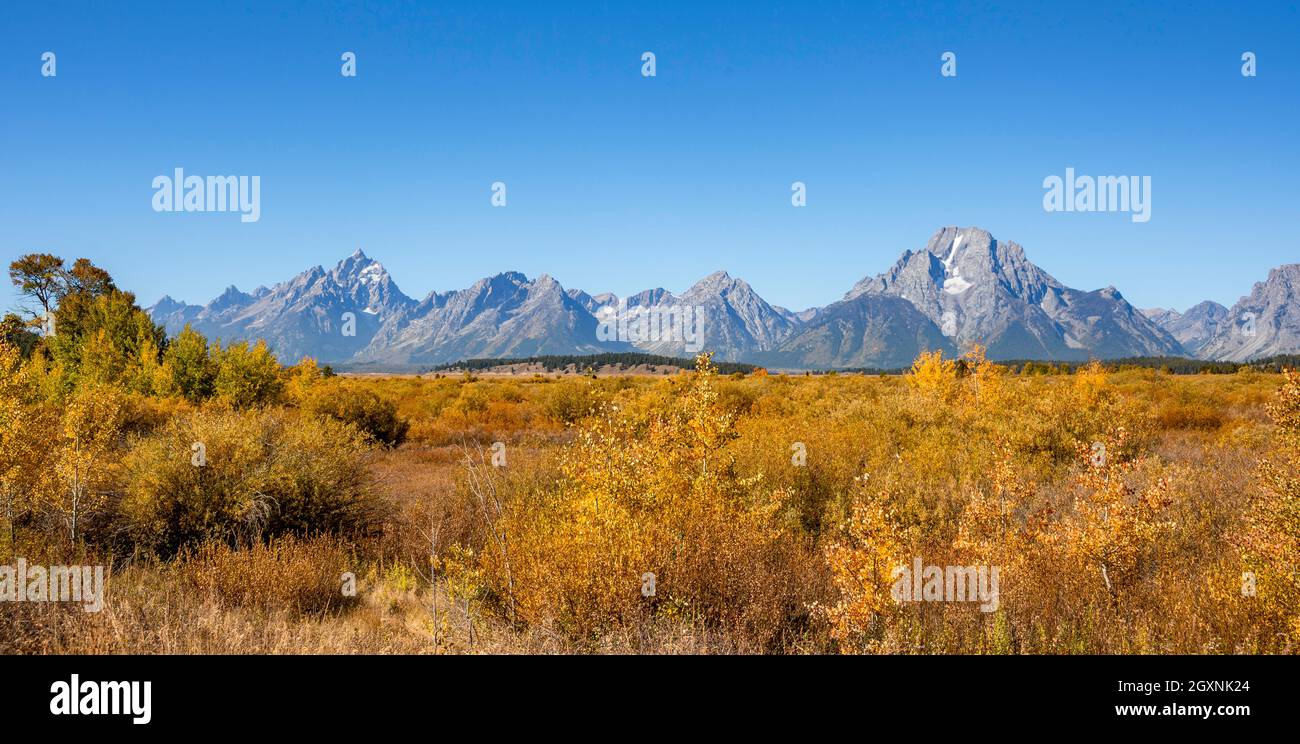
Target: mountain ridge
(963, 287)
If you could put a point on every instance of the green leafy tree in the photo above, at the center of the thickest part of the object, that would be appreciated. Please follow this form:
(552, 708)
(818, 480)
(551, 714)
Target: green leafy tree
(188, 369)
(106, 333)
(247, 376)
(17, 333)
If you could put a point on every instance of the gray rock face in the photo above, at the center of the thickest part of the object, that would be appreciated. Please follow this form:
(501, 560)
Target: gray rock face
(1163, 317)
(1265, 323)
(868, 330)
(502, 316)
(592, 303)
(733, 320)
(979, 290)
(803, 316)
(1194, 328)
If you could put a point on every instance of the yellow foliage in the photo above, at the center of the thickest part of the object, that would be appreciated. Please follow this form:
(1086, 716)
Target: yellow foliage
(862, 565)
(1090, 385)
(1272, 531)
(89, 429)
(1116, 527)
(247, 376)
(934, 376)
(301, 379)
(240, 476)
(655, 495)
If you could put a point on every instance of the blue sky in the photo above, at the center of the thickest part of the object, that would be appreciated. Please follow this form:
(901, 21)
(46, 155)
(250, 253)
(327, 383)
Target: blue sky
(619, 182)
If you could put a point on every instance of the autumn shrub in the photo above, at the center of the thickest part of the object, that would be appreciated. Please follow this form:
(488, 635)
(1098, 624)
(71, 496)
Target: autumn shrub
(302, 380)
(862, 561)
(372, 415)
(236, 477)
(569, 401)
(472, 401)
(144, 413)
(736, 398)
(1117, 523)
(934, 377)
(1190, 416)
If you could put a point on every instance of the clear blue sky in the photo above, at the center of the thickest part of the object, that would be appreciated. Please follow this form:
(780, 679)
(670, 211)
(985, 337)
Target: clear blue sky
(619, 182)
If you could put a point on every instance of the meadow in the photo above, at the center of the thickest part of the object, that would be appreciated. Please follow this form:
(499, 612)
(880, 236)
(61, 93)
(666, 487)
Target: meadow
(696, 478)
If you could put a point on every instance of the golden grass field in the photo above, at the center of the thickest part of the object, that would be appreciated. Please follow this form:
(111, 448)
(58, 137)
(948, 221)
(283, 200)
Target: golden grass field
(1123, 509)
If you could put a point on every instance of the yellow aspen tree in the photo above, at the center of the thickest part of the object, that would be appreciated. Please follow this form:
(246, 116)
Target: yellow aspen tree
(15, 434)
(862, 564)
(90, 426)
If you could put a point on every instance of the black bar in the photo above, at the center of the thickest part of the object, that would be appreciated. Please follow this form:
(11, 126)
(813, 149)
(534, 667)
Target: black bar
(233, 695)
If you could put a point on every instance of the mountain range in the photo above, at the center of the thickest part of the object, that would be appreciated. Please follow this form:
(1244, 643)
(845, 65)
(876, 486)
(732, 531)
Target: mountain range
(963, 287)
(1264, 323)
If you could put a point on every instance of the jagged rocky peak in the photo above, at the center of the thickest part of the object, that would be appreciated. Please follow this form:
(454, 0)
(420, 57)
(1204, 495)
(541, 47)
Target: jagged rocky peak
(1263, 323)
(230, 297)
(593, 303)
(359, 268)
(716, 280)
(547, 282)
(720, 284)
(166, 304)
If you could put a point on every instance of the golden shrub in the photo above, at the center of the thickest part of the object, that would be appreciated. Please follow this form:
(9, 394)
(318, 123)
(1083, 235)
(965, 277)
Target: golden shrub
(372, 415)
(262, 473)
